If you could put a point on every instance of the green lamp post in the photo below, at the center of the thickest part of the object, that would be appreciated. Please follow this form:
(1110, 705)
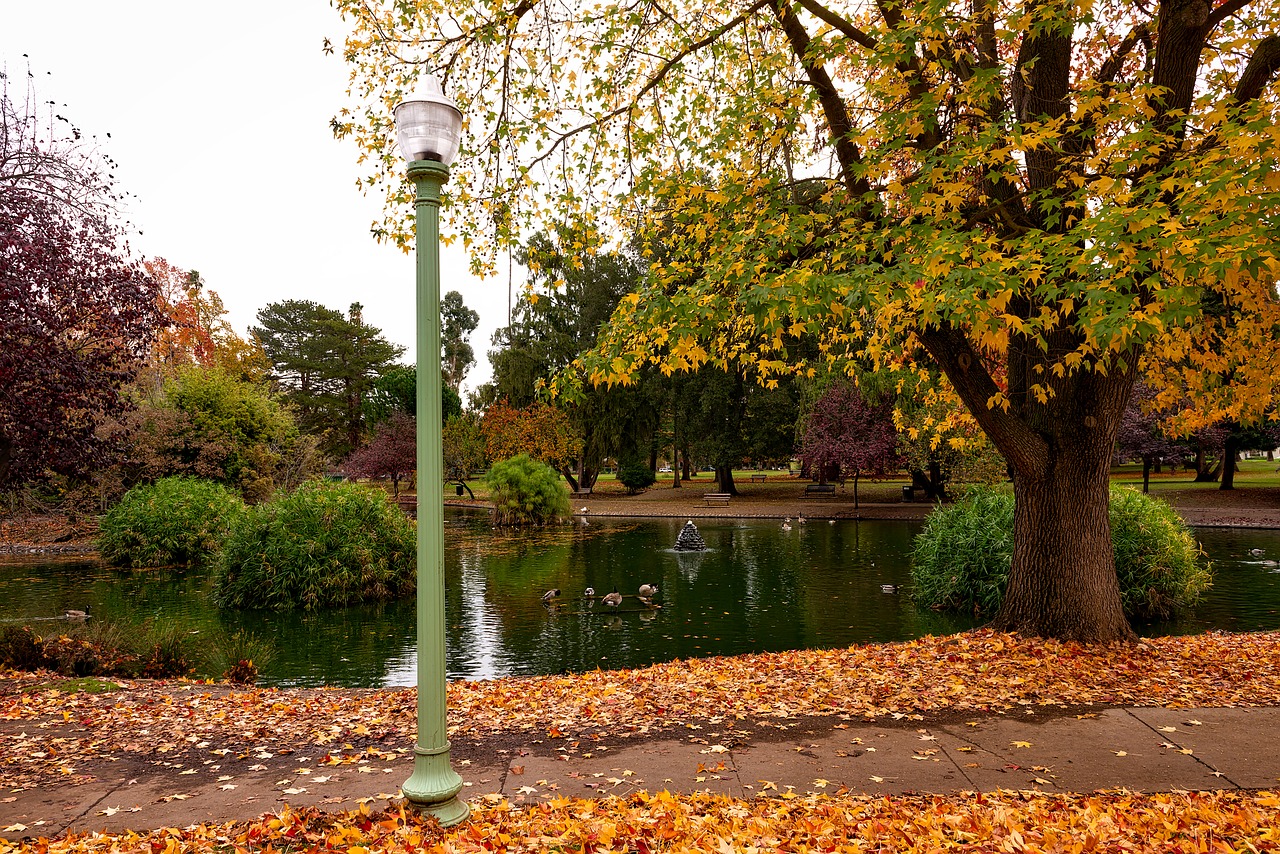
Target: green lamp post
(429, 130)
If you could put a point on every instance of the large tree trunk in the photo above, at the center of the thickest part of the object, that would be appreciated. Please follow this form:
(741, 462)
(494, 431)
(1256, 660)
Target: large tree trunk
(1062, 583)
(724, 477)
(1230, 447)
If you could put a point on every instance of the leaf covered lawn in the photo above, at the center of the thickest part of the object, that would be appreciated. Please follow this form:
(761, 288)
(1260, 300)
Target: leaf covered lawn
(48, 735)
(978, 671)
(642, 823)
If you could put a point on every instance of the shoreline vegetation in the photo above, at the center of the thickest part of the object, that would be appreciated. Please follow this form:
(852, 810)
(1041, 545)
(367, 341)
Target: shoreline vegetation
(1254, 503)
(979, 675)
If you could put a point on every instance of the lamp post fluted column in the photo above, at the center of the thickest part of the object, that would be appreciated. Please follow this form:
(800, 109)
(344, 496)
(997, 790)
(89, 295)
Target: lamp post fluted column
(434, 785)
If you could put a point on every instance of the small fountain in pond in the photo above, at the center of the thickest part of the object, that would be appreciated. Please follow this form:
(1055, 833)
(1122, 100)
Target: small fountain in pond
(690, 540)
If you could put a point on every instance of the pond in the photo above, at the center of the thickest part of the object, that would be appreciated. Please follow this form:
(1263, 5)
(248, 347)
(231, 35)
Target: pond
(757, 588)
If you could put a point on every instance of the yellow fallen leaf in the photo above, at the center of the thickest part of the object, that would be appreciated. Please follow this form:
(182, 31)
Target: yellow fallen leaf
(1021, 744)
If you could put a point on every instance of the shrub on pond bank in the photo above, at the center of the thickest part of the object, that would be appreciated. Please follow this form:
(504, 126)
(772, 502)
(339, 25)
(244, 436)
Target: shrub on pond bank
(526, 492)
(174, 521)
(636, 475)
(961, 560)
(323, 544)
(148, 650)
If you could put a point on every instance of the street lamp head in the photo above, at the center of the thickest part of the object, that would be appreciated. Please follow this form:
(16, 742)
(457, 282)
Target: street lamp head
(428, 124)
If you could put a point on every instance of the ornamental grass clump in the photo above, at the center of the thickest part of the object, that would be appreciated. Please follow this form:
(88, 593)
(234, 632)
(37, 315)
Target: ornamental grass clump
(526, 492)
(176, 521)
(322, 545)
(962, 557)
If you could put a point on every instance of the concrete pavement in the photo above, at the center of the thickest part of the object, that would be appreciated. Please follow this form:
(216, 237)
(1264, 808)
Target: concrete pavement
(1144, 749)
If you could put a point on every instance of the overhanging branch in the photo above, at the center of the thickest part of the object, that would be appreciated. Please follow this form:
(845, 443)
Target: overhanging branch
(1261, 69)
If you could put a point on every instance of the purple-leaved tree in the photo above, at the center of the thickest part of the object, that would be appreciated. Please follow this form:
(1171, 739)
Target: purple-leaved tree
(1140, 436)
(392, 452)
(845, 430)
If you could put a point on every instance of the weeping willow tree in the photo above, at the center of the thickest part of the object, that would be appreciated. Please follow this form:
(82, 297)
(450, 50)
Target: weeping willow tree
(1031, 197)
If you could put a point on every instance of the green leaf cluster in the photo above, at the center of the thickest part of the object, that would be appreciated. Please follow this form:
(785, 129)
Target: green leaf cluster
(174, 521)
(322, 545)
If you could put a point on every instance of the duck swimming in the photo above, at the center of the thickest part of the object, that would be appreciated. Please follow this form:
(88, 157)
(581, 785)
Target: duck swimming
(550, 594)
(647, 590)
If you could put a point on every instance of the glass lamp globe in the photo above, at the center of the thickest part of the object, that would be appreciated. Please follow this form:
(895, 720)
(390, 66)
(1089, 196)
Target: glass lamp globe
(428, 124)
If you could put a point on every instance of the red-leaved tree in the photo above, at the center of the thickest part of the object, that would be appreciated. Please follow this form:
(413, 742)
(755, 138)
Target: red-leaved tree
(76, 320)
(77, 315)
(392, 452)
(1140, 436)
(845, 430)
(539, 430)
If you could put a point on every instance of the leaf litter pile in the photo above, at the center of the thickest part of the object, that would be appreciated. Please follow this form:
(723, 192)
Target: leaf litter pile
(661, 821)
(976, 671)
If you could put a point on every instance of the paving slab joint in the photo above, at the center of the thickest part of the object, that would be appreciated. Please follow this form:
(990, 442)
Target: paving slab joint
(1166, 736)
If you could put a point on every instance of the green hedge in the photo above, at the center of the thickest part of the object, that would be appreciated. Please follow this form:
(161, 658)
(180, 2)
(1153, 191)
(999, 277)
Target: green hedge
(321, 545)
(174, 521)
(961, 560)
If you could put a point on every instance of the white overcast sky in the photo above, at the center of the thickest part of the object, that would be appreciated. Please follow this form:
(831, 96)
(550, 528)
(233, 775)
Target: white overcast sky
(219, 121)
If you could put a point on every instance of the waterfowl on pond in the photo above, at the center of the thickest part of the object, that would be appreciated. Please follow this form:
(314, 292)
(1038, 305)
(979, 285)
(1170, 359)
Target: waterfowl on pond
(613, 599)
(550, 594)
(73, 614)
(1256, 552)
(647, 590)
(800, 520)
(888, 588)
(786, 527)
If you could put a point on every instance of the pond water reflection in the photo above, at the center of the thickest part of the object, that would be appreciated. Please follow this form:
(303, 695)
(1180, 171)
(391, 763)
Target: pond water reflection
(756, 588)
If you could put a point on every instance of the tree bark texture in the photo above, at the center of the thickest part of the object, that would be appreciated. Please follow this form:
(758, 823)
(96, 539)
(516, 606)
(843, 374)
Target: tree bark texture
(1062, 583)
(724, 477)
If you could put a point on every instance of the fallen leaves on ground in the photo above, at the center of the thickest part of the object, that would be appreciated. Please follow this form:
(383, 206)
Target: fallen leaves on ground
(644, 822)
(53, 732)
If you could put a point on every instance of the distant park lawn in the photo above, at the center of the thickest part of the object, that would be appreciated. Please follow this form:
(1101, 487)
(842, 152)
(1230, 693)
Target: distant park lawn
(1253, 473)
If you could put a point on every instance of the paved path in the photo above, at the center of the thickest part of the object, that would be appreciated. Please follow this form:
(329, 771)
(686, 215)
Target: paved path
(1142, 749)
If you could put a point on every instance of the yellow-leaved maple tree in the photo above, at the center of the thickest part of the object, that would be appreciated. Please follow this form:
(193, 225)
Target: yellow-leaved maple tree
(1033, 194)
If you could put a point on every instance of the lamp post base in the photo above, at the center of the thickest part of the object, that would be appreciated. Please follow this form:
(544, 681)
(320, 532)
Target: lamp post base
(433, 788)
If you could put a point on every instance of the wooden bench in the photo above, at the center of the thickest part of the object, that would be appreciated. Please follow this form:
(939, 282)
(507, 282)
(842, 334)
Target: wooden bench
(820, 490)
(583, 491)
(716, 498)
(758, 478)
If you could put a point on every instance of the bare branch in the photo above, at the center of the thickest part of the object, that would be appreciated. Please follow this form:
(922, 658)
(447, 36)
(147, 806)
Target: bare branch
(1227, 9)
(653, 81)
(826, 15)
(1107, 73)
(833, 105)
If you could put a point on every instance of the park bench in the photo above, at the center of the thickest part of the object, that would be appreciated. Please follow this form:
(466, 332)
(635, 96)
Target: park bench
(583, 491)
(716, 498)
(820, 490)
(758, 478)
